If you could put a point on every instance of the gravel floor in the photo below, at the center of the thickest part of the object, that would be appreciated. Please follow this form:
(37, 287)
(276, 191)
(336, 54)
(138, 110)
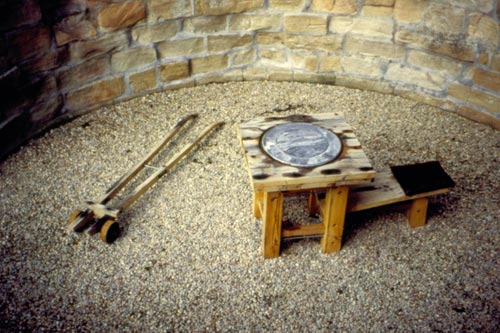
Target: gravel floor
(190, 259)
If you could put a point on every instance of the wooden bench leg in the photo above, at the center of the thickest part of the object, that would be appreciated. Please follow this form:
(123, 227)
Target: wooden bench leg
(257, 203)
(271, 229)
(312, 204)
(417, 213)
(333, 218)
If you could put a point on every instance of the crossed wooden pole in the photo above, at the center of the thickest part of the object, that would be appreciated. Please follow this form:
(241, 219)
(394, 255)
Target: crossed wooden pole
(98, 217)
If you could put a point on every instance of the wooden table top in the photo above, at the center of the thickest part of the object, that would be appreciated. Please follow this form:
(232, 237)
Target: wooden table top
(351, 167)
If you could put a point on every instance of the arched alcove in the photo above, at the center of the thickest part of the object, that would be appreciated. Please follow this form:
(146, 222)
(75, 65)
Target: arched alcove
(64, 58)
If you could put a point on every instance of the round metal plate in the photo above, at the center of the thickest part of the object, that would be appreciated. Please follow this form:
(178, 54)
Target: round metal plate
(301, 144)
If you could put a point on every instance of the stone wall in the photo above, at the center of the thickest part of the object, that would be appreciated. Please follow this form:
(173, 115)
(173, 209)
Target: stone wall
(62, 58)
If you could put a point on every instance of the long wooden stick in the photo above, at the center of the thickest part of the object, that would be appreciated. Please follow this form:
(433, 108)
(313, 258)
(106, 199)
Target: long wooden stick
(151, 180)
(139, 190)
(84, 217)
(113, 190)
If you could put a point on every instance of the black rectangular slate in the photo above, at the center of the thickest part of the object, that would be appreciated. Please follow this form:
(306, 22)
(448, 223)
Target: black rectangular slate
(422, 177)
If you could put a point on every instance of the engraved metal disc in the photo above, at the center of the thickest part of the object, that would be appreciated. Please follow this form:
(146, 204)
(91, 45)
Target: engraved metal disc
(301, 144)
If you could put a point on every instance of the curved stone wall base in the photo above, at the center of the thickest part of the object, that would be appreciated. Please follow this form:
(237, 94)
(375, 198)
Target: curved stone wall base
(60, 59)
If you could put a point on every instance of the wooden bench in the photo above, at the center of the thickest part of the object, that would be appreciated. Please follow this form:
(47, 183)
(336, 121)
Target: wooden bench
(384, 190)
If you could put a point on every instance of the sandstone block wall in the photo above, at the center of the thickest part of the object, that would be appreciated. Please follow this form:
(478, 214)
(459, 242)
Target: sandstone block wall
(61, 58)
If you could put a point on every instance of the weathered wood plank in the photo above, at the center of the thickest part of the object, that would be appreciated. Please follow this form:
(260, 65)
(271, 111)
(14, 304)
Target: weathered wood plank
(384, 190)
(333, 218)
(303, 230)
(272, 215)
(257, 199)
(101, 210)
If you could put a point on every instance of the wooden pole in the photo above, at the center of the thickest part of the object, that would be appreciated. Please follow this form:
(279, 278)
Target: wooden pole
(85, 217)
(139, 190)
